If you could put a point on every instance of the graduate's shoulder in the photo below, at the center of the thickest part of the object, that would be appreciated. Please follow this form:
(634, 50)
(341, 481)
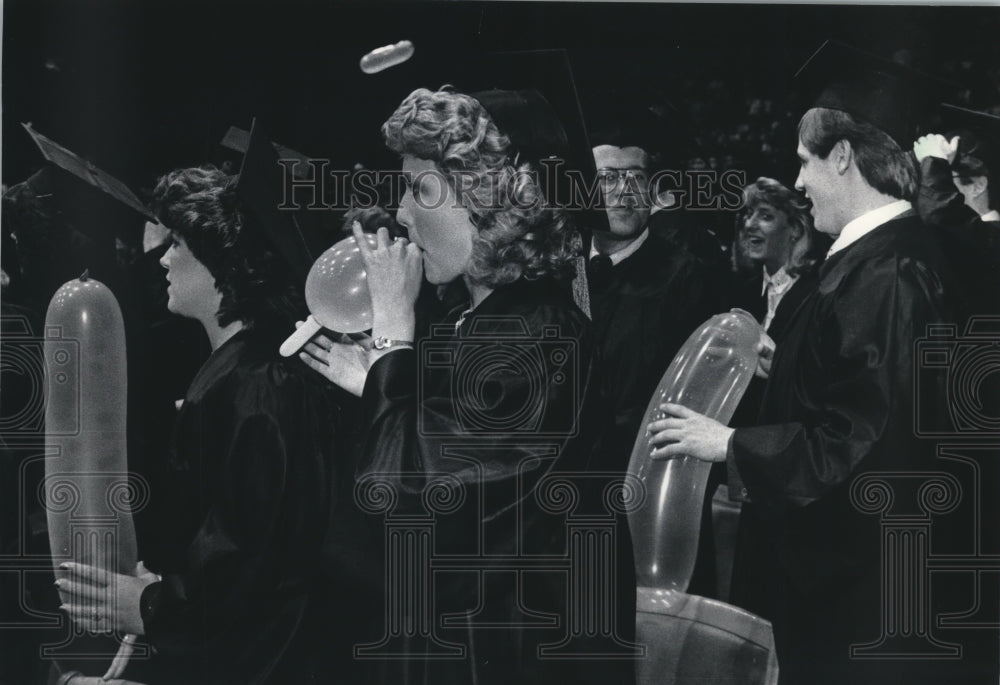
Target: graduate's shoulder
(898, 261)
(899, 246)
(535, 306)
(262, 378)
(661, 259)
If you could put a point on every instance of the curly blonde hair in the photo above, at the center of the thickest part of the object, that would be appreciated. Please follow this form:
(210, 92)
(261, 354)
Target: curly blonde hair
(518, 235)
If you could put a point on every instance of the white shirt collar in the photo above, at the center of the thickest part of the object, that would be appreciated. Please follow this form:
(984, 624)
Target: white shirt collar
(627, 251)
(780, 281)
(992, 215)
(868, 222)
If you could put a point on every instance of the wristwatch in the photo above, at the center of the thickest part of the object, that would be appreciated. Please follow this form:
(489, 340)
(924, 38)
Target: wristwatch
(383, 343)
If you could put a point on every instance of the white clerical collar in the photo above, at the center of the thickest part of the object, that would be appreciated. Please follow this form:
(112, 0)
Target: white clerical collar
(992, 215)
(626, 252)
(868, 222)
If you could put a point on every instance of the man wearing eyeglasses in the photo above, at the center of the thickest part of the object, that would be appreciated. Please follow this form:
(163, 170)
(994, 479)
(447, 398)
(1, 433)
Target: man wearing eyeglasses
(647, 294)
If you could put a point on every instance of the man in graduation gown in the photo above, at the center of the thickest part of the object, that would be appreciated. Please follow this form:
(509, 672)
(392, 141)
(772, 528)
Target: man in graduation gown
(839, 403)
(647, 293)
(959, 198)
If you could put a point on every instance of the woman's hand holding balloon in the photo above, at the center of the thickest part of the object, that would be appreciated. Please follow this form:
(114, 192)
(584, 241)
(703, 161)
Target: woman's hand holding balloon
(395, 270)
(94, 608)
(686, 432)
(342, 362)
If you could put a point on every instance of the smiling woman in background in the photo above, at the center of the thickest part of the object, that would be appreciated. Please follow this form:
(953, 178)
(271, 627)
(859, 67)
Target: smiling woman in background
(776, 239)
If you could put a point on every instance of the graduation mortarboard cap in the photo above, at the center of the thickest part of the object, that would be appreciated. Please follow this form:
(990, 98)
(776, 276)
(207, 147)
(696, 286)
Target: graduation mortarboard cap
(979, 137)
(635, 119)
(892, 97)
(532, 97)
(238, 139)
(80, 168)
(260, 187)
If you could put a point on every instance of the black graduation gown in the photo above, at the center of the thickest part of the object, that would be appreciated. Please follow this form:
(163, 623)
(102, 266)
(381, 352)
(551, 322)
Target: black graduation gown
(243, 522)
(839, 403)
(971, 245)
(165, 351)
(652, 302)
(749, 407)
(481, 412)
(746, 295)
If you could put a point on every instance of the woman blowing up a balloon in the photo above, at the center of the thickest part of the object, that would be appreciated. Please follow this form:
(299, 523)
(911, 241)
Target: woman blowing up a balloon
(493, 403)
(243, 504)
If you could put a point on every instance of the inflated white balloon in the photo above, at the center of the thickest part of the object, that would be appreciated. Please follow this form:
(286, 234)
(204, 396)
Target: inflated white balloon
(709, 375)
(336, 293)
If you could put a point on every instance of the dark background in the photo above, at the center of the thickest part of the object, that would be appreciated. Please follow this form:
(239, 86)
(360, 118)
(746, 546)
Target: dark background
(143, 87)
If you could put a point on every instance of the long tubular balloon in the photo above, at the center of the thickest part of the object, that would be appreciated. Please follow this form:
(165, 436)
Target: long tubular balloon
(709, 375)
(88, 495)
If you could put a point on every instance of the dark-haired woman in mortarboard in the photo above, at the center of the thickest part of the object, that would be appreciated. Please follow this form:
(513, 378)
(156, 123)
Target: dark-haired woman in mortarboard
(243, 507)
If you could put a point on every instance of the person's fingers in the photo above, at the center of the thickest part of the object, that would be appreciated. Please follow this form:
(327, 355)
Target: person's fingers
(382, 238)
(665, 437)
(362, 241)
(90, 574)
(322, 341)
(121, 659)
(678, 410)
(89, 617)
(664, 424)
(670, 451)
(79, 591)
(362, 340)
(316, 351)
(314, 364)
